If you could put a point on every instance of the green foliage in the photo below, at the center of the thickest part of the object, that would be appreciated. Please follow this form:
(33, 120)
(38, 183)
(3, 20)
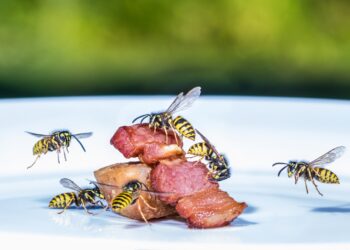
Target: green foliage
(271, 47)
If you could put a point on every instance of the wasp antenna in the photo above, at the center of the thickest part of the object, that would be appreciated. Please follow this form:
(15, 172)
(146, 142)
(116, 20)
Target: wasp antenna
(279, 172)
(141, 116)
(279, 163)
(76, 138)
(144, 118)
(92, 182)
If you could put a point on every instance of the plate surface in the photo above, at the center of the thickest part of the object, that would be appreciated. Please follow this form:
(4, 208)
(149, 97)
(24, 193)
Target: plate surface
(252, 132)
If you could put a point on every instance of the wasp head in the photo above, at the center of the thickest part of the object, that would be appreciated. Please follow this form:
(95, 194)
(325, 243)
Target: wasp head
(290, 166)
(132, 186)
(97, 192)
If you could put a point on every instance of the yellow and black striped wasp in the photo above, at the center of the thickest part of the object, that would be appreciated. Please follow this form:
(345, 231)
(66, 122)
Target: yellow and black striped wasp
(56, 141)
(82, 197)
(217, 163)
(130, 194)
(164, 120)
(313, 170)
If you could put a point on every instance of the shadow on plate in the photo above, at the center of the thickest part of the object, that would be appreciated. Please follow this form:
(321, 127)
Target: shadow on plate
(239, 222)
(335, 209)
(250, 210)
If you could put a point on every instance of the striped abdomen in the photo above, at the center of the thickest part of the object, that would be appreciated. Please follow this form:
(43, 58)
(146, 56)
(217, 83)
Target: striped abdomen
(184, 128)
(44, 145)
(325, 176)
(63, 200)
(122, 200)
(200, 149)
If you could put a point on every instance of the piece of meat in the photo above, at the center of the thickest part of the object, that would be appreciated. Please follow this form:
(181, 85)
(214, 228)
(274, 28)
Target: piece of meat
(150, 146)
(209, 208)
(181, 178)
(155, 152)
(122, 173)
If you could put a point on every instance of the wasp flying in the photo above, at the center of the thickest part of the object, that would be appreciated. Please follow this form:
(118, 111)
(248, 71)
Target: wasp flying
(56, 141)
(82, 197)
(130, 194)
(164, 120)
(217, 163)
(313, 170)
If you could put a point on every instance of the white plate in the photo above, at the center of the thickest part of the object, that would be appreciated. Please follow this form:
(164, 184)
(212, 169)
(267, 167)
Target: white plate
(253, 132)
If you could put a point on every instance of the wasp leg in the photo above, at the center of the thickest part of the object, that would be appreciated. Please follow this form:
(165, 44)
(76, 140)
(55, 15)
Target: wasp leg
(209, 174)
(58, 155)
(67, 206)
(313, 182)
(146, 203)
(34, 162)
(64, 154)
(175, 134)
(198, 161)
(307, 190)
(190, 157)
(166, 134)
(101, 204)
(296, 177)
(84, 206)
(141, 213)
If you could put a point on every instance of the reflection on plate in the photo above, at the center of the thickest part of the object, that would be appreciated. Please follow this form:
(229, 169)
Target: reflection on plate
(278, 212)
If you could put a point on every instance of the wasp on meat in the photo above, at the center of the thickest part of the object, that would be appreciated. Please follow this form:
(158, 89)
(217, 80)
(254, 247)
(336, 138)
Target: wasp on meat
(56, 141)
(313, 170)
(217, 163)
(81, 197)
(130, 194)
(164, 120)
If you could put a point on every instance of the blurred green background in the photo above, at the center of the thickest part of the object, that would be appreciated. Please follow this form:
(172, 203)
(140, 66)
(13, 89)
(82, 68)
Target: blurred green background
(240, 47)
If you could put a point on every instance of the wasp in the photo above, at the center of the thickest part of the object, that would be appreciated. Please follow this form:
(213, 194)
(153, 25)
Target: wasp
(217, 163)
(313, 170)
(56, 141)
(164, 120)
(130, 194)
(81, 197)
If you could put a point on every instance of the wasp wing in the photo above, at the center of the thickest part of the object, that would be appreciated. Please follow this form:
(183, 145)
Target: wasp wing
(183, 102)
(175, 103)
(208, 143)
(83, 135)
(67, 183)
(37, 135)
(328, 157)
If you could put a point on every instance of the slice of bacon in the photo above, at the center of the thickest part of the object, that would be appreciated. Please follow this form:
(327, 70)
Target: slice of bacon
(146, 143)
(181, 178)
(209, 208)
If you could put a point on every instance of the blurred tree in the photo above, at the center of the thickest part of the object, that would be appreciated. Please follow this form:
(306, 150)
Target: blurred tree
(272, 47)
